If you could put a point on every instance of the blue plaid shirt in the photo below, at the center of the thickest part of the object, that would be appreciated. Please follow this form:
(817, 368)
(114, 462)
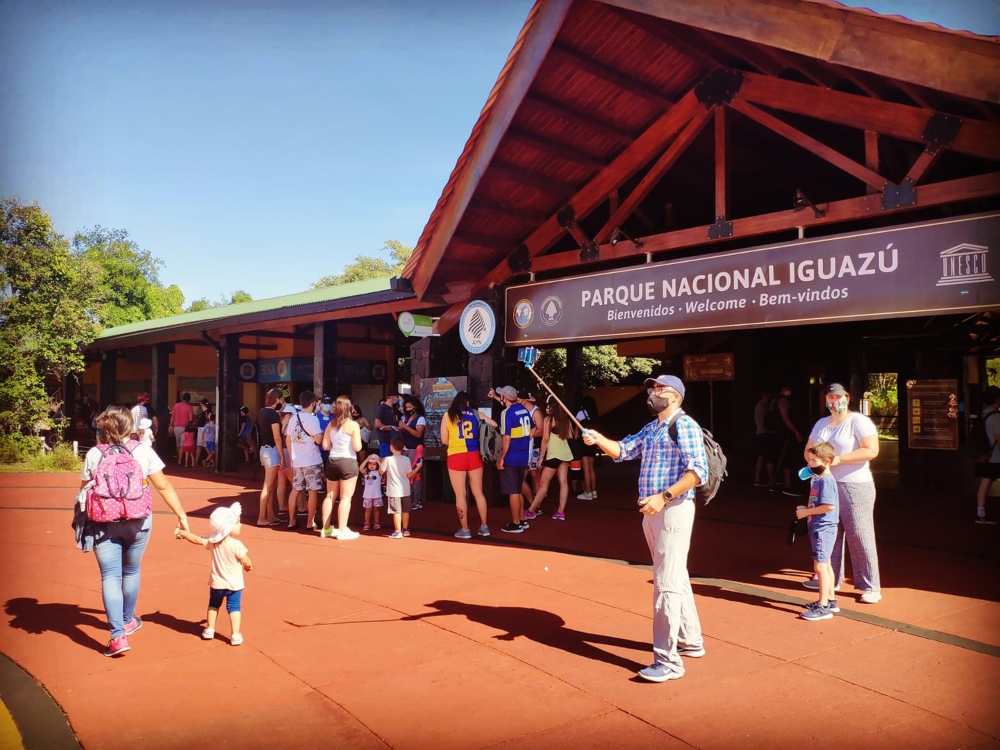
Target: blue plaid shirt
(663, 460)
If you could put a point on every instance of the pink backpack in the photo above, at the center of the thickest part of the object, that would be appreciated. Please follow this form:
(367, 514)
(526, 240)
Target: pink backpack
(120, 490)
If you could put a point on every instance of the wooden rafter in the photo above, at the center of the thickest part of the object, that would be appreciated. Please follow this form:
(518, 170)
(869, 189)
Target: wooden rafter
(721, 164)
(555, 148)
(609, 74)
(581, 119)
(661, 31)
(923, 163)
(497, 206)
(871, 155)
(809, 143)
(851, 209)
(484, 241)
(902, 121)
(526, 177)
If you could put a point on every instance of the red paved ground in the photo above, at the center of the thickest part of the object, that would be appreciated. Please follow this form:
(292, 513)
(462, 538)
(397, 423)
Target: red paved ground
(436, 642)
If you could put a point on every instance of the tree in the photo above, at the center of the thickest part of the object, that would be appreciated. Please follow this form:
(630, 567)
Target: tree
(47, 298)
(130, 288)
(601, 366)
(365, 267)
(204, 303)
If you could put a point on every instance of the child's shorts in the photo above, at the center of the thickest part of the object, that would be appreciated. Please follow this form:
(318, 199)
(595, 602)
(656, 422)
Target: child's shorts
(822, 542)
(399, 505)
(369, 502)
(233, 599)
(187, 449)
(307, 477)
(210, 444)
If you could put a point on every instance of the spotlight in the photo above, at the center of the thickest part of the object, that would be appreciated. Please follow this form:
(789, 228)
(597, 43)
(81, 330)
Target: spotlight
(617, 235)
(801, 202)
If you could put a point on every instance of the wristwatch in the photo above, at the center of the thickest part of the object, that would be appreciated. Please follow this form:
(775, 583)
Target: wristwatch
(667, 497)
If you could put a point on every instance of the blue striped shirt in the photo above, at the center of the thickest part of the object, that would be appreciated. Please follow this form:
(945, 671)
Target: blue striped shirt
(663, 460)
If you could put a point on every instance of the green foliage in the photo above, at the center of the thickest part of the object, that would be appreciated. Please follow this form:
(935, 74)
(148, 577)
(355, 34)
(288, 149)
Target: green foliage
(129, 288)
(205, 304)
(366, 267)
(15, 448)
(46, 297)
(993, 372)
(601, 366)
(33, 461)
(885, 395)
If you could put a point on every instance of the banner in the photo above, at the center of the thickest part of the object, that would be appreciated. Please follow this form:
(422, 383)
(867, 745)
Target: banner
(917, 269)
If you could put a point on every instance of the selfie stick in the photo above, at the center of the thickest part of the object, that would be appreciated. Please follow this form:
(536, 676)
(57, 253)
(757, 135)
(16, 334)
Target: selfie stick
(529, 355)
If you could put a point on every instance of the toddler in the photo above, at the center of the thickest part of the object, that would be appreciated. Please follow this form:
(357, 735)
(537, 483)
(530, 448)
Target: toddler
(209, 440)
(398, 473)
(187, 444)
(229, 560)
(144, 431)
(372, 499)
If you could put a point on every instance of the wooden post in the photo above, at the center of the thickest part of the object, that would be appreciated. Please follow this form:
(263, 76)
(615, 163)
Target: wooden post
(159, 397)
(227, 412)
(108, 392)
(721, 166)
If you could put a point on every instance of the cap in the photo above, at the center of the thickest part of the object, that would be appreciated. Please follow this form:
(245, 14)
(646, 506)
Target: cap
(223, 521)
(671, 381)
(509, 392)
(143, 398)
(204, 401)
(327, 400)
(835, 389)
(525, 395)
(289, 409)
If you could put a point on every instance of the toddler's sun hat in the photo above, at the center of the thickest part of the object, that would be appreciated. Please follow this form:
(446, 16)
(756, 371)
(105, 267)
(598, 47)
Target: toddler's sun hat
(223, 521)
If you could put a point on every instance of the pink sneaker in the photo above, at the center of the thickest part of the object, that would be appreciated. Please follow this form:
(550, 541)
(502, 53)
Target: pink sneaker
(132, 626)
(366, 527)
(558, 516)
(117, 646)
(529, 516)
(378, 526)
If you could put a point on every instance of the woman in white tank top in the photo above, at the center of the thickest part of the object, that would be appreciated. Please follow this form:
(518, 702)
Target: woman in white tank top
(343, 439)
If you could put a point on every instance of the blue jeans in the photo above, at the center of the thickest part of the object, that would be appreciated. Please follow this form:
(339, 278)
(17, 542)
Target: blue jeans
(119, 554)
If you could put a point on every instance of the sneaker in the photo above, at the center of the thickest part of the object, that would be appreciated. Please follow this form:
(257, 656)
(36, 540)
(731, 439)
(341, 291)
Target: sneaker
(585, 496)
(985, 521)
(593, 495)
(871, 597)
(530, 516)
(511, 528)
(816, 611)
(416, 506)
(790, 492)
(691, 652)
(657, 672)
(761, 484)
(366, 527)
(463, 534)
(132, 626)
(558, 516)
(406, 532)
(208, 634)
(236, 639)
(347, 535)
(813, 585)
(117, 646)
(832, 605)
(524, 525)
(377, 526)
(396, 535)
(328, 533)
(484, 530)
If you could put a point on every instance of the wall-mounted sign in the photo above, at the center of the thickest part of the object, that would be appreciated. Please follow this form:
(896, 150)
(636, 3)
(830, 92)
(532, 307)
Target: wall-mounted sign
(917, 269)
(477, 327)
(932, 409)
(702, 367)
(361, 371)
(412, 324)
(282, 370)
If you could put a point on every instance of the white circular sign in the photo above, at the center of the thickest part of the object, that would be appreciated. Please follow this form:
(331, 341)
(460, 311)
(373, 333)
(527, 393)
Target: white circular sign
(477, 327)
(406, 323)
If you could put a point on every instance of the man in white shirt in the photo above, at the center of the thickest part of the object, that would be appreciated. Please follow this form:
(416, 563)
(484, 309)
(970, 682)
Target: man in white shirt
(302, 438)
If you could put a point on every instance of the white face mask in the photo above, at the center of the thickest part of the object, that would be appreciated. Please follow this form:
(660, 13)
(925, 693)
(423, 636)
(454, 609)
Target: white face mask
(327, 408)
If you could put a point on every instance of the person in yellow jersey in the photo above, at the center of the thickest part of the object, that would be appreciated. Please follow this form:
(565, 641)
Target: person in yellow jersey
(460, 433)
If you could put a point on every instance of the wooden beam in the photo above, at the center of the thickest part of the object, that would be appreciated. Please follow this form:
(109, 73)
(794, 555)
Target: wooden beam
(655, 174)
(924, 162)
(704, 55)
(871, 156)
(976, 138)
(555, 148)
(581, 119)
(851, 209)
(931, 57)
(809, 143)
(484, 241)
(535, 180)
(721, 164)
(497, 206)
(530, 50)
(609, 74)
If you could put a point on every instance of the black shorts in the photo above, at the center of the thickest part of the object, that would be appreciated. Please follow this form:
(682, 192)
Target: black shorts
(553, 463)
(341, 468)
(987, 470)
(511, 479)
(767, 445)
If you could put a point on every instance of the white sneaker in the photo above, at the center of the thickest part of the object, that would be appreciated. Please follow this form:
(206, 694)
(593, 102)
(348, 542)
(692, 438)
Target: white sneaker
(584, 496)
(871, 597)
(236, 640)
(813, 585)
(347, 534)
(208, 634)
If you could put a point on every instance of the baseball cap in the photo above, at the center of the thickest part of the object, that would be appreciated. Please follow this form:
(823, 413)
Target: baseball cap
(671, 381)
(509, 392)
(327, 400)
(835, 389)
(143, 398)
(223, 521)
(525, 395)
(204, 401)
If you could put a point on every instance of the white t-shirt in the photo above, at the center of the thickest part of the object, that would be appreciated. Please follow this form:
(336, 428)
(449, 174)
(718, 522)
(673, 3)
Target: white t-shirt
(143, 454)
(373, 485)
(845, 438)
(304, 450)
(139, 412)
(396, 467)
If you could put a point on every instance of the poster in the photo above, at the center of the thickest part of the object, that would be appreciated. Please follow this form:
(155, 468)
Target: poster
(436, 394)
(932, 414)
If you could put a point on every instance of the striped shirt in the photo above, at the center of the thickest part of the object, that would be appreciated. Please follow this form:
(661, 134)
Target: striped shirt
(663, 460)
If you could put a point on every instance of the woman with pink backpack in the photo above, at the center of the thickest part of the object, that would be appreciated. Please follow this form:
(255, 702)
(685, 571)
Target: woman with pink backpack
(114, 490)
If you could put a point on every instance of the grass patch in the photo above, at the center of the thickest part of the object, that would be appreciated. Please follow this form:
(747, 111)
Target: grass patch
(60, 459)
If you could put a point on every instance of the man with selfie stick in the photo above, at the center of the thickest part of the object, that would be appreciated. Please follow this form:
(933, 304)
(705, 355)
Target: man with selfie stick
(668, 473)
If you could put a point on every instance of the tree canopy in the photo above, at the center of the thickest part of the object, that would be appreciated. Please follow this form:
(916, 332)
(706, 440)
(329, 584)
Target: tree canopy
(365, 267)
(204, 303)
(601, 366)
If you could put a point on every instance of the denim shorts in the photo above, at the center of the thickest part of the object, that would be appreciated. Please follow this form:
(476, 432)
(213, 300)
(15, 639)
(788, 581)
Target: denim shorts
(822, 542)
(269, 457)
(234, 599)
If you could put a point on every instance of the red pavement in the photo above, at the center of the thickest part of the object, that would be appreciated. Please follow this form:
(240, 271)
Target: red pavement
(526, 641)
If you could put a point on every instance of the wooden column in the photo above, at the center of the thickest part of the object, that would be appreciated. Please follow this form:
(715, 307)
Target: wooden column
(108, 389)
(159, 397)
(325, 380)
(721, 166)
(69, 407)
(227, 412)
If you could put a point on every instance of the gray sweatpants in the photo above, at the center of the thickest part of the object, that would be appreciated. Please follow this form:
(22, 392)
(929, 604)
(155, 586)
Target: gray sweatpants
(675, 617)
(857, 525)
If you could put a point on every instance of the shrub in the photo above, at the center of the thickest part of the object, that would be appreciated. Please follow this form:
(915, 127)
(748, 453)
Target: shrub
(15, 448)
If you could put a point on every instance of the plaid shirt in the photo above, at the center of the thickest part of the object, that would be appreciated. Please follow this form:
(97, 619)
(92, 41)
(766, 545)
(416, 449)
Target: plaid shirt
(663, 460)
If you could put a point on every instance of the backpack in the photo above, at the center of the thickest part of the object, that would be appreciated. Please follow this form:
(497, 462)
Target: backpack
(715, 459)
(979, 445)
(120, 490)
(490, 443)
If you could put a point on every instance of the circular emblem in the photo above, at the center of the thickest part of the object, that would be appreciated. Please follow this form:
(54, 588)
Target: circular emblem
(406, 323)
(477, 327)
(551, 310)
(282, 368)
(248, 371)
(378, 372)
(524, 313)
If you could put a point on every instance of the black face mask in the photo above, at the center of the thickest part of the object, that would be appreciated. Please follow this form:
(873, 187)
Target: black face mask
(817, 470)
(656, 404)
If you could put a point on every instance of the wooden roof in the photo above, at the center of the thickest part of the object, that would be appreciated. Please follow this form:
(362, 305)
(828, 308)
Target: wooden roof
(688, 126)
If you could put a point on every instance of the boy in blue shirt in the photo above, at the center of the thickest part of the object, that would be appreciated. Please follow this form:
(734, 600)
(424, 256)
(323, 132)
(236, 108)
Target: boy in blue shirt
(823, 512)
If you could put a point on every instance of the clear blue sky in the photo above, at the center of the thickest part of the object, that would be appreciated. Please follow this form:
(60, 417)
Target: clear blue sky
(261, 144)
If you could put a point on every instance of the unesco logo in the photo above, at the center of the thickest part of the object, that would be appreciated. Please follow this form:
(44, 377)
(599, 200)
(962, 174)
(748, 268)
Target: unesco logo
(524, 313)
(248, 371)
(551, 310)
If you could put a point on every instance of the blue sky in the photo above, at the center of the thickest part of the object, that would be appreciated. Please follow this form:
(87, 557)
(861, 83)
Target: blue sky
(259, 144)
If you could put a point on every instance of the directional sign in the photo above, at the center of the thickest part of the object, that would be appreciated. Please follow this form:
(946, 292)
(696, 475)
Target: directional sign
(709, 367)
(416, 325)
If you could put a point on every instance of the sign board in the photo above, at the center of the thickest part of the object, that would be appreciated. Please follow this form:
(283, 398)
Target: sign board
(932, 414)
(436, 394)
(916, 269)
(477, 327)
(412, 324)
(300, 370)
(709, 367)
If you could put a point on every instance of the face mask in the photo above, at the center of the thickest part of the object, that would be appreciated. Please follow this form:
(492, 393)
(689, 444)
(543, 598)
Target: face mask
(807, 472)
(656, 404)
(327, 408)
(838, 407)
(409, 411)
